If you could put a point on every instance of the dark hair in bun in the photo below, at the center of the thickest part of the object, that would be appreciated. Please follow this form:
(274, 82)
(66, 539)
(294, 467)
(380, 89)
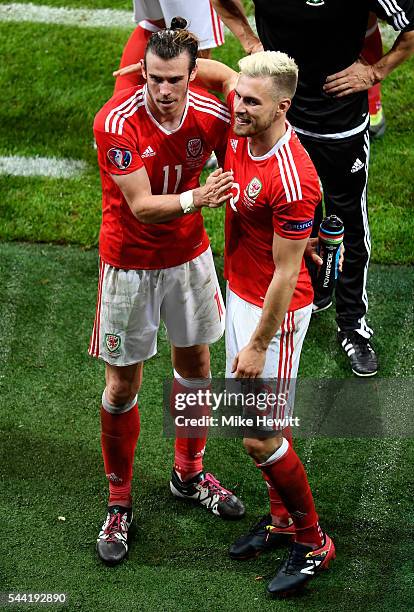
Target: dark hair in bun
(172, 41)
(178, 23)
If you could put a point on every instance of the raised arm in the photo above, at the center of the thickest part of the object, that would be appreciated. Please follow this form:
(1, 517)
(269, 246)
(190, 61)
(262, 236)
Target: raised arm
(215, 76)
(149, 208)
(233, 15)
(210, 74)
(287, 255)
(135, 69)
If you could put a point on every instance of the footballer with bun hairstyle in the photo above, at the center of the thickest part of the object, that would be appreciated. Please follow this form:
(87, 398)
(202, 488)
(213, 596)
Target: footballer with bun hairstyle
(156, 263)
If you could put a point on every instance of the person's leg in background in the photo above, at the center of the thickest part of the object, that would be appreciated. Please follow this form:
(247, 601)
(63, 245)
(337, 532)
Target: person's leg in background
(134, 51)
(205, 23)
(372, 53)
(342, 166)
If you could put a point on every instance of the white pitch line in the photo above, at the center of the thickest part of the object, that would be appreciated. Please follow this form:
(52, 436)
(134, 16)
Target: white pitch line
(41, 166)
(82, 18)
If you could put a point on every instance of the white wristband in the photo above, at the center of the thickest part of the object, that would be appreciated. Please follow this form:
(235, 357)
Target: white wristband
(186, 202)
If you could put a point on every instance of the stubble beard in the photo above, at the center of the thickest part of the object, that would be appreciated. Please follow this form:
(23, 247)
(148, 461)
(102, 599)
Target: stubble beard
(253, 129)
(166, 112)
(243, 130)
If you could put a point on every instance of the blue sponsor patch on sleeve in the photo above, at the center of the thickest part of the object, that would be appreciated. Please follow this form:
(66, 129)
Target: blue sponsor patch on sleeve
(297, 226)
(121, 158)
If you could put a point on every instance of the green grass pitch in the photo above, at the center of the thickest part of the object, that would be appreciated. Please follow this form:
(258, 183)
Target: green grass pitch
(50, 464)
(53, 79)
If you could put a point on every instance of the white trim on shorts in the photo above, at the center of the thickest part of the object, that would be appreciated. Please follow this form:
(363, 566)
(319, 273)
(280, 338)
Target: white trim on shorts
(147, 25)
(131, 304)
(202, 19)
(283, 353)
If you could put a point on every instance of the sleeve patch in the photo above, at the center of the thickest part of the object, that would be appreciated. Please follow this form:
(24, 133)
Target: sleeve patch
(121, 158)
(297, 226)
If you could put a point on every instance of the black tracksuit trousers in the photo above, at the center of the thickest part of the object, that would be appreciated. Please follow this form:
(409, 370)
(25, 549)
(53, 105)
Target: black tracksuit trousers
(342, 165)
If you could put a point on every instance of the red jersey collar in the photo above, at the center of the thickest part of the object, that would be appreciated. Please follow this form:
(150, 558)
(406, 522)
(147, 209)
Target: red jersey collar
(153, 119)
(280, 143)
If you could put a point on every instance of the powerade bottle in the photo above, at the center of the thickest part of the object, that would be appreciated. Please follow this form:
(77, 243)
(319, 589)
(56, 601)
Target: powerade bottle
(331, 235)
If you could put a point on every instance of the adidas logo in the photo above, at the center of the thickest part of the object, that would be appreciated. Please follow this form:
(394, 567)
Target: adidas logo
(357, 165)
(233, 144)
(348, 347)
(149, 152)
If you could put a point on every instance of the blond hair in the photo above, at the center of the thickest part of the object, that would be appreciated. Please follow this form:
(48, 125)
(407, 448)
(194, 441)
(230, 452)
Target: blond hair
(280, 67)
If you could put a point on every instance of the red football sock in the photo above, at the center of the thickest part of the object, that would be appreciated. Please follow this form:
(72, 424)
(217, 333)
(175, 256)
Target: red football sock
(189, 451)
(118, 439)
(188, 457)
(374, 99)
(288, 477)
(133, 53)
(280, 516)
(372, 53)
(372, 49)
(287, 433)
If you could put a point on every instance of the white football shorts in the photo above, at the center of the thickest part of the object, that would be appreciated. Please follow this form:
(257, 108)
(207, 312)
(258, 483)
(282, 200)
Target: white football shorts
(283, 353)
(202, 19)
(131, 304)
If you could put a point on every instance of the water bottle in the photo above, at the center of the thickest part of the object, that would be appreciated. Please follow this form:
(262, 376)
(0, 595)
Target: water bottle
(331, 235)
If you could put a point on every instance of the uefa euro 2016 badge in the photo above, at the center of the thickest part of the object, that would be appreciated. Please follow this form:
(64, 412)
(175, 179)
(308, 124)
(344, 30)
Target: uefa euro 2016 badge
(121, 158)
(113, 342)
(315, 2)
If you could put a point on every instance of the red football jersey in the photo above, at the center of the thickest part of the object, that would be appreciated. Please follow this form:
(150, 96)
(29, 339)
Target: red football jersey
(129, 137)
(277, 192)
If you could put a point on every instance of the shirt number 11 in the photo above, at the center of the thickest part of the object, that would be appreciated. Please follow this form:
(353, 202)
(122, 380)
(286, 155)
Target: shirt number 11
(178, 171)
